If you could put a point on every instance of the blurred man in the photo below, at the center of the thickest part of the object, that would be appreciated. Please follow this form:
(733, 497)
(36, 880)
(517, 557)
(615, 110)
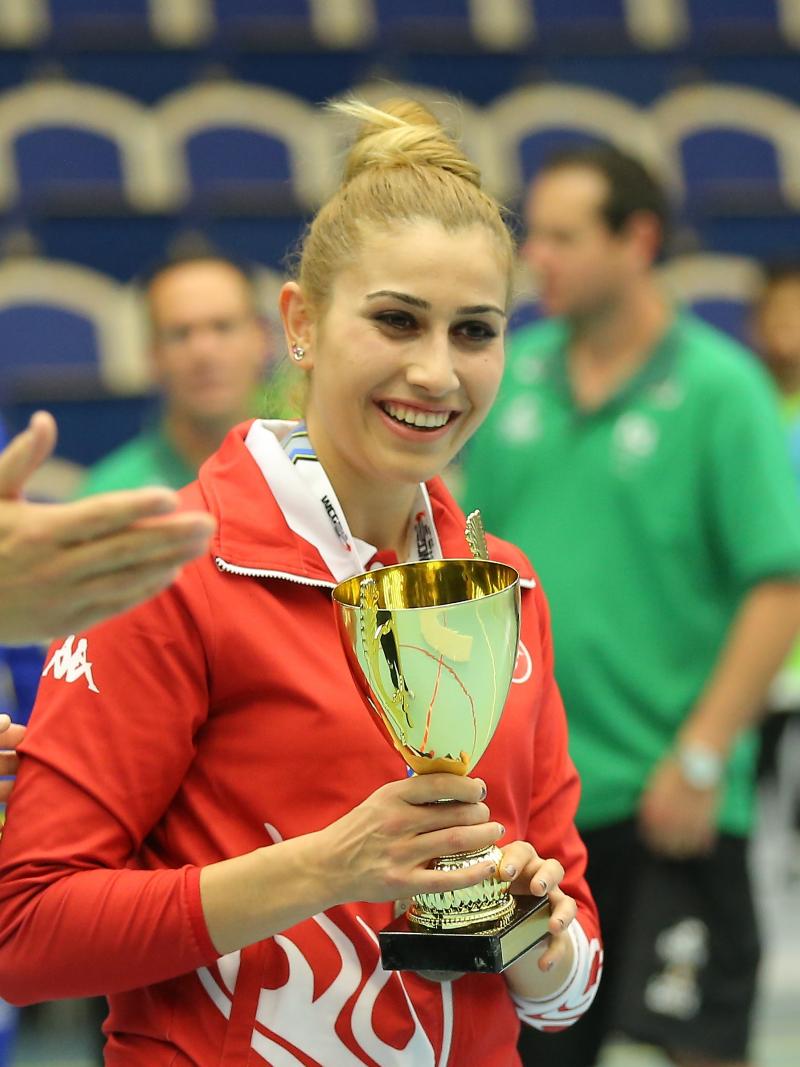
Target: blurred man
(210, 349)
(777, 339)
(635, 453)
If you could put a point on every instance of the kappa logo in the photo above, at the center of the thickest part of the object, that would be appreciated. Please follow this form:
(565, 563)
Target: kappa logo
(523, 668)
(71, 663)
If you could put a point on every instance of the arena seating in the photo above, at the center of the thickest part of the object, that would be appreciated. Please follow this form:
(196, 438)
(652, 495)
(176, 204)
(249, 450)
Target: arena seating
(70, 326)
(133, 127)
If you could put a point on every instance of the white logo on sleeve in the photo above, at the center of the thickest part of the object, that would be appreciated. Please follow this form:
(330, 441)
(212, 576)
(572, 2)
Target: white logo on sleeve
(71, 664)
(523, 668)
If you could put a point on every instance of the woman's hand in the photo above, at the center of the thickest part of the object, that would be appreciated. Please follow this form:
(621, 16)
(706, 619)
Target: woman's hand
(530, 875)
(10, 736)
(381, 849)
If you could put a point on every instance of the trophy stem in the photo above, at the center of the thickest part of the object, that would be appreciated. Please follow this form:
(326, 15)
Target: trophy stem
(487, 903)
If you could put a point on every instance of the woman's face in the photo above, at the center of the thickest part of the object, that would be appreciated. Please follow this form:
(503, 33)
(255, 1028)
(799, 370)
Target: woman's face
(408, 355)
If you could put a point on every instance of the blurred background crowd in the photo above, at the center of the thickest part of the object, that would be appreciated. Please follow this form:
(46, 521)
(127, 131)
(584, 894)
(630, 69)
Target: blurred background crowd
(158, 160)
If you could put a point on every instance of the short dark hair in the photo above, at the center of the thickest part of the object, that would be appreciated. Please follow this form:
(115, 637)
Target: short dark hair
(780, 270)
(184, 259)
(631, 186)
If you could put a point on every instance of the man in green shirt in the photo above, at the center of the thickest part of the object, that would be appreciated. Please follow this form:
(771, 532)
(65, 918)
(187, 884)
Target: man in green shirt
(210, 348)
(636, 454)
(777, 335)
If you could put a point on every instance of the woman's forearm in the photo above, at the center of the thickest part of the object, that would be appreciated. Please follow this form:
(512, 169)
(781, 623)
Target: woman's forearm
(251, 897)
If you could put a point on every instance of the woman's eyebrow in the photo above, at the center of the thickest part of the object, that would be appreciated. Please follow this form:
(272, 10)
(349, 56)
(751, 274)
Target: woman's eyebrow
(481, 309)
(415, 301)
(418, 302)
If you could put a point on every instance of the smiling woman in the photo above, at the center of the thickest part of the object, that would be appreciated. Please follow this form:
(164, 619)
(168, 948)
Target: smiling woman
(404, 358)
(232, 830)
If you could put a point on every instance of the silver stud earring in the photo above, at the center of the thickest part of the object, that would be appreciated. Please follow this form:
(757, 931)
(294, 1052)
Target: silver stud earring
(298, 352)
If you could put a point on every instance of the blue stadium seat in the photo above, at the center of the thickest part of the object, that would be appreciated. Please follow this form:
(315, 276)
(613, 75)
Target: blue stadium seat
(240, 149)
(67, 25)
(254, 24)
(422, 25)
(86, 23)
(736, 24)
(720, 289)
(733, 150)
(64, 328)
(528, 124)
(72, 148)
(586, 25)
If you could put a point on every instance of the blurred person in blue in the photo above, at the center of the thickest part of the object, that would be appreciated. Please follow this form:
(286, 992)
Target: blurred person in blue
(636, 454)
(210, 349)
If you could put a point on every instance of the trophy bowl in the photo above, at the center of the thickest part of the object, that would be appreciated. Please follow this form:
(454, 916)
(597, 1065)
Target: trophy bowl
(431, 646)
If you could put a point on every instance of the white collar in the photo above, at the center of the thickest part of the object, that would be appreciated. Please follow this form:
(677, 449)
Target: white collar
(309, 505)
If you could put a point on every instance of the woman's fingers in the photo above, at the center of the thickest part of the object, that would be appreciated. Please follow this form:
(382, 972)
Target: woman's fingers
(516, 858)
(563, 911)
(11, 733)
(431, 788)
(9, 762)
(455, 840)
(529, 874)
(546, 877)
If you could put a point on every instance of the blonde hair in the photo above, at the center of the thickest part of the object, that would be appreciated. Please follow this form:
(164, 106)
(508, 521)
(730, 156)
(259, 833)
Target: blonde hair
(403, 167)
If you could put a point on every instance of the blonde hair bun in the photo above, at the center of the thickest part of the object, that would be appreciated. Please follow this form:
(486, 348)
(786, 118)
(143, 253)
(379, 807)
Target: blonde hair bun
(404, 167)
(402, 133)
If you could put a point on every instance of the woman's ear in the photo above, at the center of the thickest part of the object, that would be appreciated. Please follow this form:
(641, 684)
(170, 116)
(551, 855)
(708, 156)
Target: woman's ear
(298, 324)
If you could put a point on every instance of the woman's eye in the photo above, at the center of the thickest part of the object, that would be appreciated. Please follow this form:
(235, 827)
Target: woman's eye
(397, 320)
(476, 331)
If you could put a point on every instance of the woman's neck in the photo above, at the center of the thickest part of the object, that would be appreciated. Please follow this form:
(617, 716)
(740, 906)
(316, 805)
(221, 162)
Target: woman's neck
(380, 514)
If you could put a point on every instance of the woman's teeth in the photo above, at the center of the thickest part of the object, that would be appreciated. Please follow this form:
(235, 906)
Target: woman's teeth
(424, 420)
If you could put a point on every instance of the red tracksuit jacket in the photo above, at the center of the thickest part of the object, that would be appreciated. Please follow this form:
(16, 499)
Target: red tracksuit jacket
(206, 723)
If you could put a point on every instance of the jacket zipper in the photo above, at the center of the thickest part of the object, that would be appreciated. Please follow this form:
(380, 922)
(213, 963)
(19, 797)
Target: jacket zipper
(253, 572)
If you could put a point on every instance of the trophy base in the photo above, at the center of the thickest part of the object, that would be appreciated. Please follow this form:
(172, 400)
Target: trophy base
(488, 949)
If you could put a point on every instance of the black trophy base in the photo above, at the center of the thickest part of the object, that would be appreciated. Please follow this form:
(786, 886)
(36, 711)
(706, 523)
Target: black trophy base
(488, 950)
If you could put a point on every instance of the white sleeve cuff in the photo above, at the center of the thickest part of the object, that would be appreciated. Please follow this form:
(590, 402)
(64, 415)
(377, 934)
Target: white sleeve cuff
(561, 1009)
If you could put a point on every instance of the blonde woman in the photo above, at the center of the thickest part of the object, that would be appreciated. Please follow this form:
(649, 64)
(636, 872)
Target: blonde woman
(220, 850)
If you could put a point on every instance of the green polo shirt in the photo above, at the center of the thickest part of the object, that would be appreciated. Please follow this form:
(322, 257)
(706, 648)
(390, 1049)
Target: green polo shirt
(647, 520)
(147, 459)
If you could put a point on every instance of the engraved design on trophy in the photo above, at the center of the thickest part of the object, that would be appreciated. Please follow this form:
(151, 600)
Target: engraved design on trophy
(432, 647)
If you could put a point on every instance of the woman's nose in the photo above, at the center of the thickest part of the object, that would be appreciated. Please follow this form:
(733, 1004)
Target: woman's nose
(432, 367)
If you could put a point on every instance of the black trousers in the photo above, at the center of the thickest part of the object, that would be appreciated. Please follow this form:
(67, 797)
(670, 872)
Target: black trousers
(681, 953)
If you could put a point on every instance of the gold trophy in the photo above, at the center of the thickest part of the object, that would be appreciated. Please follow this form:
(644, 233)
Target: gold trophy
(432, 647)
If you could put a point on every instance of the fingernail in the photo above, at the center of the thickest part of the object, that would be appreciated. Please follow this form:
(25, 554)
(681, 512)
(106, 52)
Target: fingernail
(492, 870)
(542, 884)
(562, 923)
(511, 871)
(483, 791)
(501, 828)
